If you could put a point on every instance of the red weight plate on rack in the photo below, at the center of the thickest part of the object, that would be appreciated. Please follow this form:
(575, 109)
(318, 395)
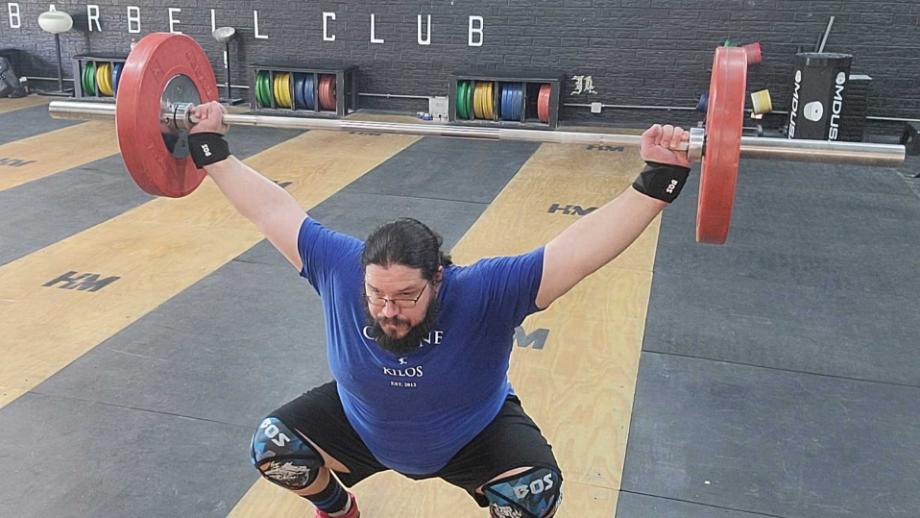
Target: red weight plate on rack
(724, 120)
(543, 103)
(154, 64)
(327, 92)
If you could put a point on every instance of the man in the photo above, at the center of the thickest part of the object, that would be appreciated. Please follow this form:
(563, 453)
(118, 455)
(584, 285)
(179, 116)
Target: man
(418, 346)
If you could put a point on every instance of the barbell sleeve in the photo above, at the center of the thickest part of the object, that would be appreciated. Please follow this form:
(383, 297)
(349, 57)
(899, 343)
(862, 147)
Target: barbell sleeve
(885, 155)
(823, 151)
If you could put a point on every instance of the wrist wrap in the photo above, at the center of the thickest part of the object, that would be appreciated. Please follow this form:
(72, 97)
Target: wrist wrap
(207, 148)
(662, 181)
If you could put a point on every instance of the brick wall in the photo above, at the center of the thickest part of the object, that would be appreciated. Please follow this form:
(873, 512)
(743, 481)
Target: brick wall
(649, 52)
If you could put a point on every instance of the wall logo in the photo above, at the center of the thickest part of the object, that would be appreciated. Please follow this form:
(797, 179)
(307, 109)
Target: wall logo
(134, 21)
(583, 85)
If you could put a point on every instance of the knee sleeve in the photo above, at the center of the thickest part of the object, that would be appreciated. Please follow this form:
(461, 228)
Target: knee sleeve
(536, 493)
(283, 456)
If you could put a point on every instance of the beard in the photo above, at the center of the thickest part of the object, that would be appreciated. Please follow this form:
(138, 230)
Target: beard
(412, 341)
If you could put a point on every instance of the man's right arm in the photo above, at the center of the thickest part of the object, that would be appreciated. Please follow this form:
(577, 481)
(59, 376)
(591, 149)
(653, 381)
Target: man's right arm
(263, 202)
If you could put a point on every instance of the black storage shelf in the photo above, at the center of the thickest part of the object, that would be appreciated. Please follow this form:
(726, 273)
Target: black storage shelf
(346, 90)
(80, 61)
(529, 118)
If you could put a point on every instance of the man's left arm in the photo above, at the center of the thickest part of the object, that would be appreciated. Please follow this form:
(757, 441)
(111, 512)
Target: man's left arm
(596, 239)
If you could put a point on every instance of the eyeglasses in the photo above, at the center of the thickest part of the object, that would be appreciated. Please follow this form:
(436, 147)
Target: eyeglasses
(377, 301)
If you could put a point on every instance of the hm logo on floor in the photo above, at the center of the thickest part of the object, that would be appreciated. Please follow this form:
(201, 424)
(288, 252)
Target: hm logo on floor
(536, 340)
(15, 162)
(81, 282)
(570, 210)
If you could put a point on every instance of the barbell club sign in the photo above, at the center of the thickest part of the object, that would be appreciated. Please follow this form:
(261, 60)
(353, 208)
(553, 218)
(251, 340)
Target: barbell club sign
(134, 22)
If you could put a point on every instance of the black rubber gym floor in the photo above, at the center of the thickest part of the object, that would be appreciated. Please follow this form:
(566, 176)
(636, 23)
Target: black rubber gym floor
(780, 372)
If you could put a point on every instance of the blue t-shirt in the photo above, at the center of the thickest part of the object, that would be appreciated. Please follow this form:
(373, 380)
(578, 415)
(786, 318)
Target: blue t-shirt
(414, 412)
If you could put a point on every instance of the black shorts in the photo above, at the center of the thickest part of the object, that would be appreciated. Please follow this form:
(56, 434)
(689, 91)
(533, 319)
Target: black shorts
(510, 441)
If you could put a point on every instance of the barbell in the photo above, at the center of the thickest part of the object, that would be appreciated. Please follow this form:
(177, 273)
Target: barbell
(166, 74)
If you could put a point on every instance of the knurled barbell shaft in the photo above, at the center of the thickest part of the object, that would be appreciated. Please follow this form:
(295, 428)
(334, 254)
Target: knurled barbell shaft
(751, 147)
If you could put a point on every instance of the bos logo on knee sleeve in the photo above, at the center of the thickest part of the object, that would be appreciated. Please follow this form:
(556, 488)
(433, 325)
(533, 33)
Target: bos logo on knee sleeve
(282, 456)
(536, 493)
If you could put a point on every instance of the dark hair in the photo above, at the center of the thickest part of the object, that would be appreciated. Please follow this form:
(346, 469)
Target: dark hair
(408, 242)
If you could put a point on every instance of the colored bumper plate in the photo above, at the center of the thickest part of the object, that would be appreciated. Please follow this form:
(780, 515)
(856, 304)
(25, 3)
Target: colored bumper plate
(543, 102)
(156, 59)
(327, 92)
(724, 120)
(116, 75)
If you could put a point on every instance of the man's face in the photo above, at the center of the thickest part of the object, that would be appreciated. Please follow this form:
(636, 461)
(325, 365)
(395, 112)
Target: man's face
(401, 305)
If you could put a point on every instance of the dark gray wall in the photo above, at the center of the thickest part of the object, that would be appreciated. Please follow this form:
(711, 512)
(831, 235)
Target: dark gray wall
(650, 52)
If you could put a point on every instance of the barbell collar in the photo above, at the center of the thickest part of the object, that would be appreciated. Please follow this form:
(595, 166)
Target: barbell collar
(180, 118)
(696, 144)
(860, 153)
